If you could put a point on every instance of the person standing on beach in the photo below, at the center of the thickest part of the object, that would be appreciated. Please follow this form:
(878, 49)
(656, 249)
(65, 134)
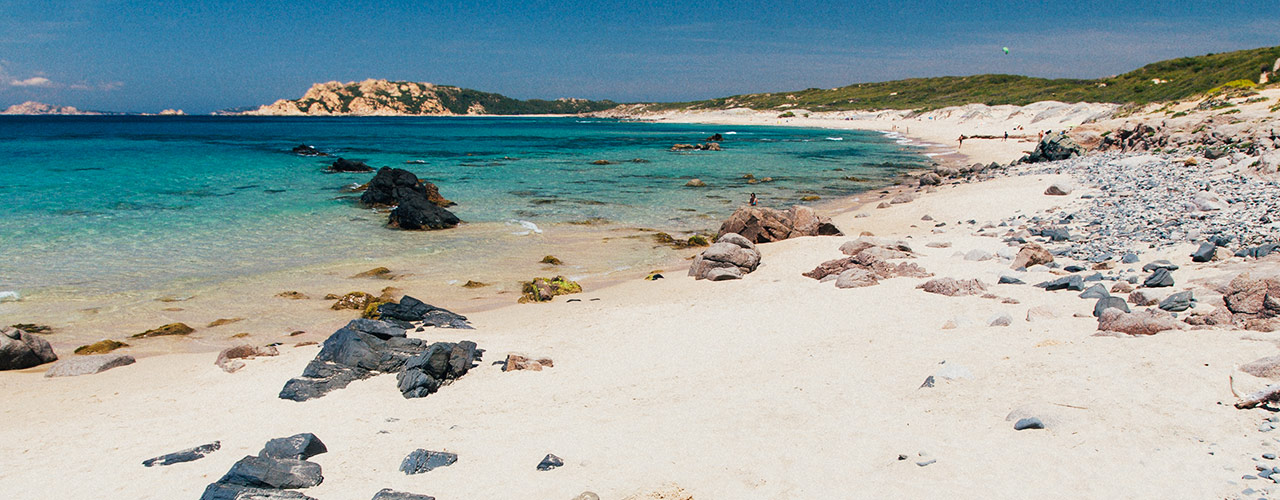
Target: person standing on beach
(961, 142)
(1006, 136)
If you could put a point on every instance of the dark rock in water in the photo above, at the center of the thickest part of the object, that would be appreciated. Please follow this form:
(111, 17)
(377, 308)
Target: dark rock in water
(350, 355)
(19, 349)
(1053, 147)
(1073, 269)
(421, 460)
(187, 455)
(1129, 258)
(305, 150)
(389, 494)
(1074, 283)
(220, 491)
(1097, 291)
(439, 364)
(1109, 302)
(1010, 280)
(1160, 264)
(1028, 423)
(1178, 302)
(414, 310)
(1204, 253)
(391, 185)
(716, 137)
(275, 473)
(298, 447)
(417, 212)
(345, 165)
(550, 462)
(1160, 278)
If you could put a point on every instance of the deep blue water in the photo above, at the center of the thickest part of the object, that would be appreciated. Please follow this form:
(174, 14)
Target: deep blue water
(108, 203)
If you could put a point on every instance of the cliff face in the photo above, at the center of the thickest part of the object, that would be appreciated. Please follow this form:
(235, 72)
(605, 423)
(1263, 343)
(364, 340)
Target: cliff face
(386, 98)
(40, 108)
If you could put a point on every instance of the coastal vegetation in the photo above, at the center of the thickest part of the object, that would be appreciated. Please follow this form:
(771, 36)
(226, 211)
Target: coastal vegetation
(1170, 80)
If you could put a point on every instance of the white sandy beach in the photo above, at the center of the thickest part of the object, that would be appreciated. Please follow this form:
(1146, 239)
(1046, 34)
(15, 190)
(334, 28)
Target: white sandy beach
(772, 387)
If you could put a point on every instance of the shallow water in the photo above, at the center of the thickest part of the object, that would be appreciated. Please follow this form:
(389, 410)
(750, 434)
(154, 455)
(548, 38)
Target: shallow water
(109, 205)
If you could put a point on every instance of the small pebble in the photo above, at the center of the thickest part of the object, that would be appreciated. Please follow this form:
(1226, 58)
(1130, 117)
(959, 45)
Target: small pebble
(1028, 423)
(924, 463)
(1269, 456)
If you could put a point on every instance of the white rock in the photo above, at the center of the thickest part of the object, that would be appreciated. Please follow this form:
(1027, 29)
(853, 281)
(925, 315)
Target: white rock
(978, 255)
(1001, 319)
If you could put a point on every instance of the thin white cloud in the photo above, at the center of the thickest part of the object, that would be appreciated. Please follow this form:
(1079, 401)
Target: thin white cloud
(35, 81)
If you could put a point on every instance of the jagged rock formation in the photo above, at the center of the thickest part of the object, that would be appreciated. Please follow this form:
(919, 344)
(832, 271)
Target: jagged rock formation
(40, 108)
(388, 98)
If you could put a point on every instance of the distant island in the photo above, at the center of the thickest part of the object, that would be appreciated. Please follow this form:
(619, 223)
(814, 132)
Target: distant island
(40, 108)
(396, 98)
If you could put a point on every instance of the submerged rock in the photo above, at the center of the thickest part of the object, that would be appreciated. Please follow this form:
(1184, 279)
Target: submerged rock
(169, 329)
(390, 186)
(187, 455)
(19, 349)
(345, 165)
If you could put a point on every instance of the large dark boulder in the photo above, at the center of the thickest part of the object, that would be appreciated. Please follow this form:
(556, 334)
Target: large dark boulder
(1053, 147)
(763, 225)
(415, 211)
(221, 491)
(1159, 278)
(349, 355)
(274, 473)
(19, 349)
(1073, 282)
(391, 185)
(297, 447)
(414, 310)
(440, 364)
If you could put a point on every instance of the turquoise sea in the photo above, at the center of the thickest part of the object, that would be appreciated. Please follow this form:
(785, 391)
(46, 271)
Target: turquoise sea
(111, 204)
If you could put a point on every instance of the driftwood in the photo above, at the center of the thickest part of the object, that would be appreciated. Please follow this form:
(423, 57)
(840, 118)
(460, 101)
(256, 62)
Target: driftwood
(1269, 394)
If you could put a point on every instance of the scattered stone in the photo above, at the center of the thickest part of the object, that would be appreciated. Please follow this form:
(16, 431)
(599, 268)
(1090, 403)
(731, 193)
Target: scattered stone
(1178, 302)
(293, 295)
(952, 287)
(696, 183)
(977, 255)
(412, 310)
(88, 364)
(345, 165)
(1073, 283)
(1096, 291)
(763, 225)
(1129, 258)
(273, 473)
(550, 462)
(100, 347)
(729, 258)
(1144, 322)
(169, 329)
(1058, 189)
(856, 278)
(551, 260)
(298, 446)
(938, 244)
(19, 349)
(227, 359)
(1010, 280)
(421, 460)
(187, 455)
(545, 289)
(221, 491)
(1158, 279)
(1031, 254)
(1028, 423)
(1001, 319)
(1040, 313)
(1159, 264)
(474, 284)
(517, 362)
(33, 328)
(1121, 287)
(1144, 298)
(1109, 302)
(927, 462)
(902, 198)
(930, 179)
(1205, 253)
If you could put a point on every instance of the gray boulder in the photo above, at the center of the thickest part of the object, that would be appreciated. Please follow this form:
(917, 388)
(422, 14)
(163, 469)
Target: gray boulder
(19, 349)
(273, 473)
(1073, 283)
(297, 447)
(1204, 253)
(350, 355)
(1109, 302)
(421, 460)
(730, 250)
(1160, 264)
(1160, 278)
(1096, 291)
(221, 491)
(440, 364)
(1053, 147)
(88, 365)
(389, 494)
(1178, 302)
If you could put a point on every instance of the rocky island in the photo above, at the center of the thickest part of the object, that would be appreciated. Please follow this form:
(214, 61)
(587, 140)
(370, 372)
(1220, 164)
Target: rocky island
(397, 98)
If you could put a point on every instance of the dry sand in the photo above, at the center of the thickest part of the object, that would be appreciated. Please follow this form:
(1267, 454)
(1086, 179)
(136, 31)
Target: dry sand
(775, 386)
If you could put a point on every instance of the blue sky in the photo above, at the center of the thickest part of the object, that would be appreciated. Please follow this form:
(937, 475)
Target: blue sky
(129, 55)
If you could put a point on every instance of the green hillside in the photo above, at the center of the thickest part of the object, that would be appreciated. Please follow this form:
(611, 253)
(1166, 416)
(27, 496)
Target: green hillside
(1162, 81)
